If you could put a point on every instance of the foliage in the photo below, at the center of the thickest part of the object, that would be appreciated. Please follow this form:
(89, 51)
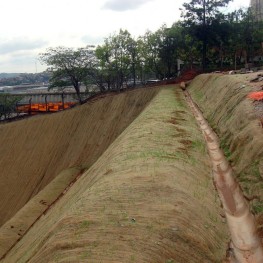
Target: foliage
(202, 12)
(205, 36)
(70, 67)
(8, 105)
(151, 52)
(200, 15)
(118, 57)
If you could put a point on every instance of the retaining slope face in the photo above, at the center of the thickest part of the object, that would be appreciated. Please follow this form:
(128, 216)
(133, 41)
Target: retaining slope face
(34, 151)
(238, 123)
(148, 198)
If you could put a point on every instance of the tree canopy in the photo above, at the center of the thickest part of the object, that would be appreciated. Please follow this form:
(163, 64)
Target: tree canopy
(118, 58)
(8, 105)
(200, 14)
(205, 37)
(70, 66)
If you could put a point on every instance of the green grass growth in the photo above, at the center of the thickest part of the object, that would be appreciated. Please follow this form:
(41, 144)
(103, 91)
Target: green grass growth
(132, 258)
(225, 147)
(251, 183)
(257, 208)
(86, 254)
(251, 174)
(158, 154)
(85, 224)
(199, 145)
(255, 170)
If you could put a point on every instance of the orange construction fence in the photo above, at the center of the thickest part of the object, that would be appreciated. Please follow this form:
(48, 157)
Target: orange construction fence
(45, 107)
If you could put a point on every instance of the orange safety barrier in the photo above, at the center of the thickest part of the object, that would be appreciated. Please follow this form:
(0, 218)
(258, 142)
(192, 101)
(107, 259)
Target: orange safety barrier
(257, 95)
(44, 107)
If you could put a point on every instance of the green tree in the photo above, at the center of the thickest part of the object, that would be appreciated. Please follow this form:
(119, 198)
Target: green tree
(151, 52)
(199, 14)
(105, 66)
(169, 48)
(132, 48)
(244, 37)
(189, 46)
(235, 44)
(139, 60)
(117, 59)
(8, 105)
(252, 34)
(70, 66)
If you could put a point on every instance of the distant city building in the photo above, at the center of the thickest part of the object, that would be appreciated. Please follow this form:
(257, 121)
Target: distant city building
(257, 9)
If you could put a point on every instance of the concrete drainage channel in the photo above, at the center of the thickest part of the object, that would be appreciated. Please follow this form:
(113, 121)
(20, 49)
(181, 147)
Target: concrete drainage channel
(245, 246)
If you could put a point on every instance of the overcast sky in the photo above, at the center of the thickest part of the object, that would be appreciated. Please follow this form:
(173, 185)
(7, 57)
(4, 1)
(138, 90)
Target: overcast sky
(28, 27)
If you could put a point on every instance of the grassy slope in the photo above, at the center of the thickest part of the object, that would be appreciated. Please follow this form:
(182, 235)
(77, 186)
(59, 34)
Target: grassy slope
(36, 150)
(223, 101)
(148, 198)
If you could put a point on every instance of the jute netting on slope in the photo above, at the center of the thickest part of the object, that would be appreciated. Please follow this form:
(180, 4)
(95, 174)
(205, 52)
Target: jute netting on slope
(148, 198)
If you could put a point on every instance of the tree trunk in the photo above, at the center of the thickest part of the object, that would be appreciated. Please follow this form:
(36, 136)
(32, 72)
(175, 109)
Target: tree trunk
(134, 74)
(77, 88)
(204, 37)
(221, 55)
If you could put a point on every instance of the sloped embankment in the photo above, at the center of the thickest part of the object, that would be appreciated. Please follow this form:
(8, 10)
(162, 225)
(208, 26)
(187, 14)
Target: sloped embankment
(34, 151)
(148, 198)
(237, 121)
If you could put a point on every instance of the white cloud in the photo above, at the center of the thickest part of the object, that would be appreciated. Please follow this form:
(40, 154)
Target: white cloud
(92, 40)
(124, 5)
(32, 26)
(20, 62)
(20, 44)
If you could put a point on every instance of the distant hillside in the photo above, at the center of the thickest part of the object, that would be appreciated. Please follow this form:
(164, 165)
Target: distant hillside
(8, 75)
(11, 79)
